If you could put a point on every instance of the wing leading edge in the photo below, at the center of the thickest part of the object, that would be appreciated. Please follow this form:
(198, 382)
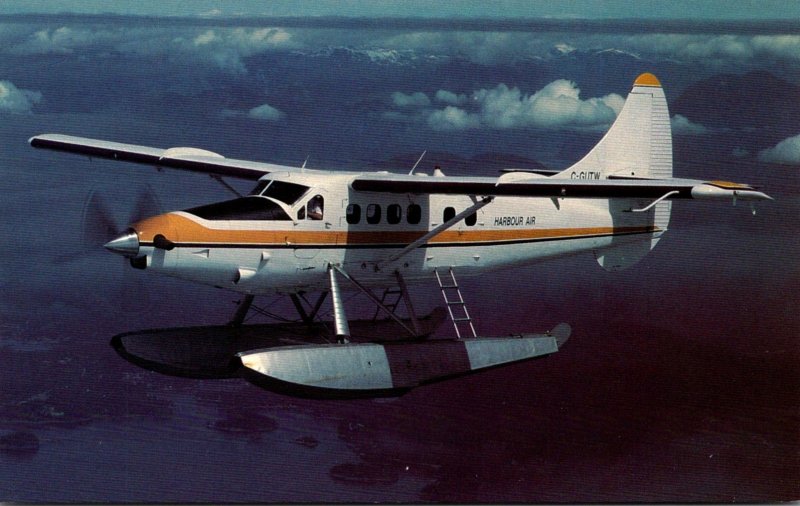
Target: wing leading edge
(191, 159)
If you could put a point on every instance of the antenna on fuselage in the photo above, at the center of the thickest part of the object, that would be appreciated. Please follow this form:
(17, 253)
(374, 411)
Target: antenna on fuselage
(302, 167)
(415, 165)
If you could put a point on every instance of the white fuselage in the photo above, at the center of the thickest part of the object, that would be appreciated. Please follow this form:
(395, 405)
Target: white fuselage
(287, 246)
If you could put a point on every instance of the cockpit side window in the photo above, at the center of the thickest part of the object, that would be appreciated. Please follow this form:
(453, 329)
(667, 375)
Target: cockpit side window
(315, 207)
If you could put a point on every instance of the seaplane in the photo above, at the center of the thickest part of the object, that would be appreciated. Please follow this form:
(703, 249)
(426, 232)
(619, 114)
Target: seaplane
(303, 231)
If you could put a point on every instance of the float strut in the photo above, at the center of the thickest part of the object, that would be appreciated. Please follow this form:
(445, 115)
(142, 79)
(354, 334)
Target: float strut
(308, 318)
(374, 299)
(339, 317)
(407, 299)
(241, 311)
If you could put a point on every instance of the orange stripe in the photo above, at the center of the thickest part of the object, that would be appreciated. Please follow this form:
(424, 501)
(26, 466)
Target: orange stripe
(727, 185)
(183, 230)
(647, 79)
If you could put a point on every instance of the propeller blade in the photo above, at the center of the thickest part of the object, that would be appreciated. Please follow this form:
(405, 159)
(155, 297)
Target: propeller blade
(147, 205)
(97, 223)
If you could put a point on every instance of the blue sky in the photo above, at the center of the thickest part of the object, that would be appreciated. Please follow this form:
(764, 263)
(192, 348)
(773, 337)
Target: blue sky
(591, 9)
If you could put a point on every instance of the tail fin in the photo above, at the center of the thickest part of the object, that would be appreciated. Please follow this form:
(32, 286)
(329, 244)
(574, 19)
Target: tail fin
(638, 145)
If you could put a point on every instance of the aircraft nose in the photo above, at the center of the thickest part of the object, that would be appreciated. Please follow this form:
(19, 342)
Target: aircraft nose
(126, 245)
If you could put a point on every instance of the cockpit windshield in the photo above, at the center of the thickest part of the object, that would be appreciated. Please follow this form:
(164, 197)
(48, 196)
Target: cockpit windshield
(246, 208)
(288, 193)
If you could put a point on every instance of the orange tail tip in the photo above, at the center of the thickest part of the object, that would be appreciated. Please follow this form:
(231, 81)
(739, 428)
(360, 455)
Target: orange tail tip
(647, 79)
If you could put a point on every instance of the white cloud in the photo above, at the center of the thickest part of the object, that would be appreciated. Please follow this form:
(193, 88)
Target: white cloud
(499, 47)
(557, 105)
(787, 151)
(453, 118)
(210, 13)
(783, 46)
(64, 40)
(481, 47)
(682, 126)
(563, 48)
(714, 48)
(265, 112)
(448, 97)
(221, 47)
(257, 40)
(417, 99)
(226, 48)
(15, 100)
(204, 38)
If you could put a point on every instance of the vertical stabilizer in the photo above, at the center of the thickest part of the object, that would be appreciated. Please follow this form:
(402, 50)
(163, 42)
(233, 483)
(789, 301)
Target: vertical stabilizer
(638, 145)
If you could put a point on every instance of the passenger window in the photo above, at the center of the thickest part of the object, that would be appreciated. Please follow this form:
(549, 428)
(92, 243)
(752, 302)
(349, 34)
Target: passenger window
(471, 219)
(353, 213)
(449, 214)
(373, 214)
(394, 213)
(414, 214)
(315, 207)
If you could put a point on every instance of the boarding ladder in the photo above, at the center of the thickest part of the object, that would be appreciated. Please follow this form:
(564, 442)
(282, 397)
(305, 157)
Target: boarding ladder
(455, 303)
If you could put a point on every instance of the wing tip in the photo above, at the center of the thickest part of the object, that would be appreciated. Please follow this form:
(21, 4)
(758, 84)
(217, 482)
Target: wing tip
(36, 140)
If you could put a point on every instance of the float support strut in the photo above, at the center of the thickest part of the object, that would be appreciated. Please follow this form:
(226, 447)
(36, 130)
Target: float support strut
(308, 318)
(407, 300)
(339, 316)
(241, 311)
(374, 299)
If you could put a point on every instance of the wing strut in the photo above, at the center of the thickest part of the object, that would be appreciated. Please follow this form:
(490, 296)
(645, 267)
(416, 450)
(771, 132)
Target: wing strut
(224, 183)
(441, 228)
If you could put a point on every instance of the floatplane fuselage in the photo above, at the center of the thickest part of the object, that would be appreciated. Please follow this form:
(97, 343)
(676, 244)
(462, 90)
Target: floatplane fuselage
(299, 229)
(269, 241)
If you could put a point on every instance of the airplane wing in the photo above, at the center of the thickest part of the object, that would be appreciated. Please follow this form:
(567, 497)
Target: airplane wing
(199, 160)
(559, 187)
(191, 159)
